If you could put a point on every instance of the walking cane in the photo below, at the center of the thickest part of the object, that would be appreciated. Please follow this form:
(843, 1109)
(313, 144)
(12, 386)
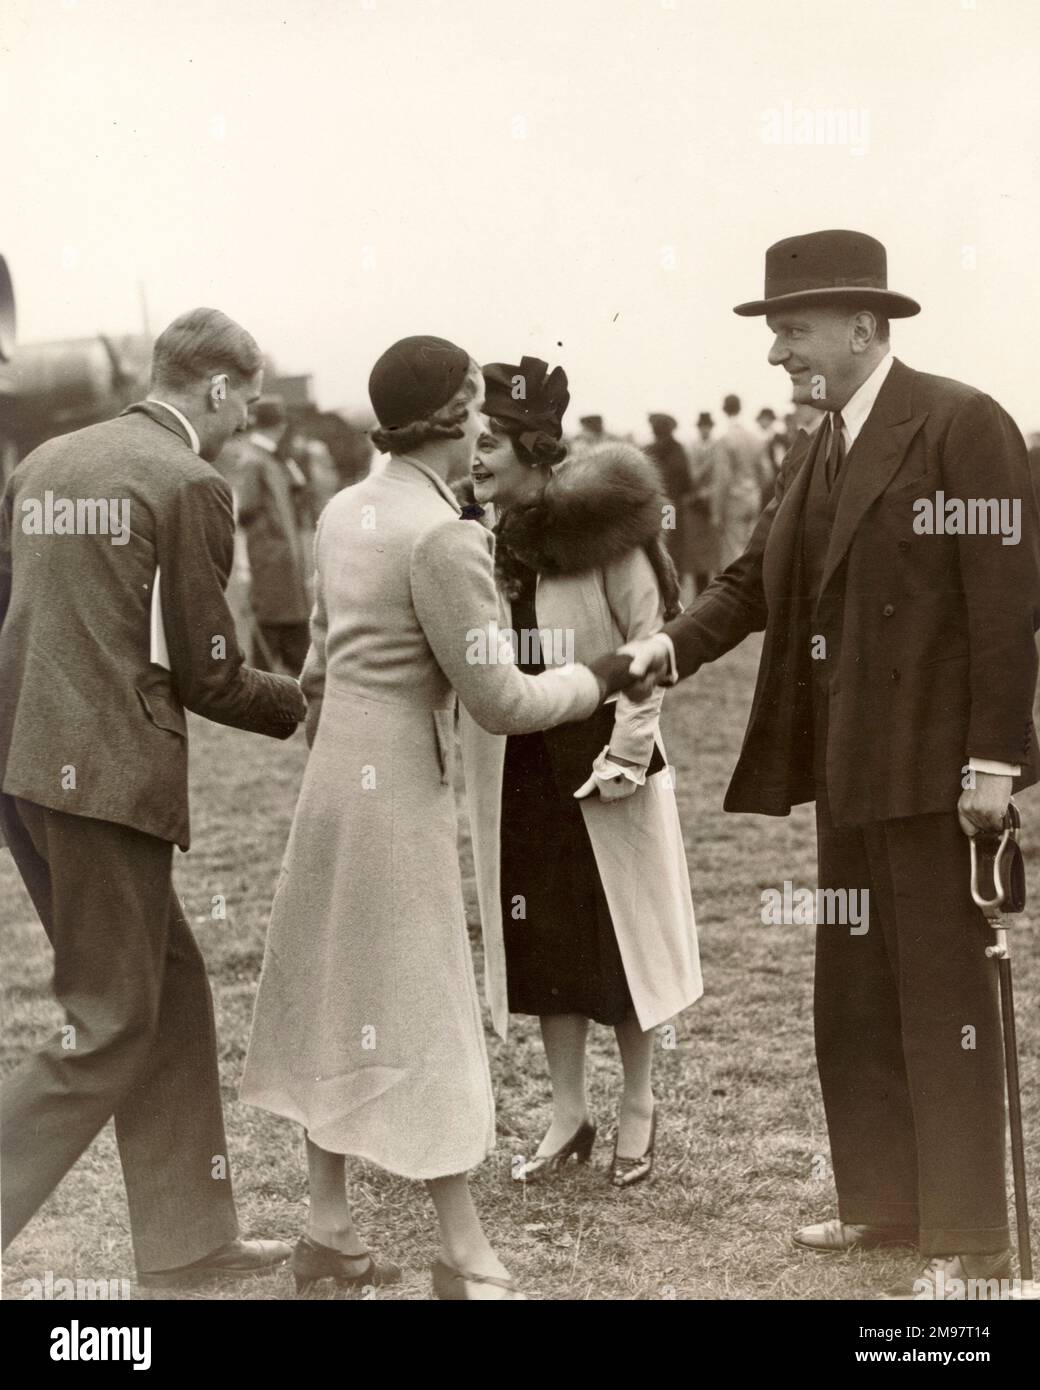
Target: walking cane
(999, 857)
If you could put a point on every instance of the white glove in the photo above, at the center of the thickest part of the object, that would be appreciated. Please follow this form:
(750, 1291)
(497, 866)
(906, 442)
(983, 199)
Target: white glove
(612, 779)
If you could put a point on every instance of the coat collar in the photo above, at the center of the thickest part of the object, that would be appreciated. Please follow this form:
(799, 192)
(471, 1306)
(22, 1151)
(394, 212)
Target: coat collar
(408, 469)
(162, 417)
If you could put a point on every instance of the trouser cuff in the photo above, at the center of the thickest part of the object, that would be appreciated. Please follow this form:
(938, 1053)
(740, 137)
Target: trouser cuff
(867, 1211)
(154, 1254)
(953, 1240)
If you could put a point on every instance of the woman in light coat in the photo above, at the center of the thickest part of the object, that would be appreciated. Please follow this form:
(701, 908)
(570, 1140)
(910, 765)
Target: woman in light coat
(367, 1027)
(581, 872)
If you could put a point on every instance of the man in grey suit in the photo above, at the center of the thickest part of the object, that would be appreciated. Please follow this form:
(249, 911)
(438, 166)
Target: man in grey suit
(115, 546)
(737, 456)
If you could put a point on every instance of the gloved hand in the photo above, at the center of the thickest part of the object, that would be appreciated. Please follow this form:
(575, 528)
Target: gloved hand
(614, 780)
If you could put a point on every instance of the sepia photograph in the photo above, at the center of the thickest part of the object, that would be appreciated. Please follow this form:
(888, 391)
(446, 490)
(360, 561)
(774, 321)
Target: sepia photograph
(519, 593)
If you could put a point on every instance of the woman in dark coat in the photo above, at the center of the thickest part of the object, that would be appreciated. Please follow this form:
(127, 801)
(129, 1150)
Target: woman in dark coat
(581, 872)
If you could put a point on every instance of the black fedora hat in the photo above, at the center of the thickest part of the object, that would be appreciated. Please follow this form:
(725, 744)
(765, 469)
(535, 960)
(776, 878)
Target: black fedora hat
(827, 268)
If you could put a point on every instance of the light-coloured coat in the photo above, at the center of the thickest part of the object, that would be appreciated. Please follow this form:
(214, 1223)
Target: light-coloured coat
(739, 475)
(367, 1028)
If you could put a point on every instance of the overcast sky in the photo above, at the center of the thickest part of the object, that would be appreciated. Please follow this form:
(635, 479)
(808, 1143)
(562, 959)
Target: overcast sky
(591, 181)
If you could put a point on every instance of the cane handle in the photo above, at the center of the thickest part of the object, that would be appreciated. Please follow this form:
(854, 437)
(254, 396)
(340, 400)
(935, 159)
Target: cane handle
(992, 907)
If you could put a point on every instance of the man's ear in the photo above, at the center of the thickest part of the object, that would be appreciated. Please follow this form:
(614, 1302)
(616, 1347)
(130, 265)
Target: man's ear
(864, 330)
(218, 389)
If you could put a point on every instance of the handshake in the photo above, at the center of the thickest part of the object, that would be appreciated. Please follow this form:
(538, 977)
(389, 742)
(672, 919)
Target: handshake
(636, 668)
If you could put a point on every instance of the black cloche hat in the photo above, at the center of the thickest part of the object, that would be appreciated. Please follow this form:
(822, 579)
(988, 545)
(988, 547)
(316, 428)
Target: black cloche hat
(414, 378)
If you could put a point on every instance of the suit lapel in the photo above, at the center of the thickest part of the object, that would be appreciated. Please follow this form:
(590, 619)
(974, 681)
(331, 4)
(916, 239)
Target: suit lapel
(873, 461)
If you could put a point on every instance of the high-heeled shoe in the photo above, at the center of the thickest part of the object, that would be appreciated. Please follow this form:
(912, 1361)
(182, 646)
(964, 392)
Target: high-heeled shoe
(626, 1171)
(312, 1261)
(579, 1144)
(450, 1283)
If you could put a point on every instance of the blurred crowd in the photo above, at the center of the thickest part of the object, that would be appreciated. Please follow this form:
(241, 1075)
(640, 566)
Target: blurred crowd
(717, 484)
(282, 473)
(285, 469)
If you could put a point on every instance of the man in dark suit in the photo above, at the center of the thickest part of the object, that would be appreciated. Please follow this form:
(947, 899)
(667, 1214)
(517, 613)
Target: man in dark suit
(674, 469)
(268, 485)
(899, 598)
(115, 546)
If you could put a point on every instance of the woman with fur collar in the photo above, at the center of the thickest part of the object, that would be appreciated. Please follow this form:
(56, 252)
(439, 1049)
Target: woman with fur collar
(581, 872)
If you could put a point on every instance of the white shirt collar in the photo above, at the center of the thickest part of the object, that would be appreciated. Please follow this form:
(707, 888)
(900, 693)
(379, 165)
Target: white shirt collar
(856, 409)
(193, 437)
(262, 442)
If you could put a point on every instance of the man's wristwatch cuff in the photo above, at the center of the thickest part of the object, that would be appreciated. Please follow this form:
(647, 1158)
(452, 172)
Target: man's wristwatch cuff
(998, 769)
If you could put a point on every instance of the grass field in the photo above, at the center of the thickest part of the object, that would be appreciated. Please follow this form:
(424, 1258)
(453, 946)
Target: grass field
(742, 1146)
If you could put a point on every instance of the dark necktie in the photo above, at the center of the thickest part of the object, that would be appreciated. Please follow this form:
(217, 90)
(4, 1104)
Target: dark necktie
(835, 450)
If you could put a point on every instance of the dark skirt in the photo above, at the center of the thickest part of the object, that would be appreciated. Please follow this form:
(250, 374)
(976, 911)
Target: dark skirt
(561, 949)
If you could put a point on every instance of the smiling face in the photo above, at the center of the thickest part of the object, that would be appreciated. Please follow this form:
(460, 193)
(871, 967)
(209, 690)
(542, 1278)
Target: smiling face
(498, 475)
(826, 351)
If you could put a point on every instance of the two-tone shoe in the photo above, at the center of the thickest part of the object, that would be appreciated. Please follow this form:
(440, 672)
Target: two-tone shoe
(238, 1259)
(837, 1237)
(959, 1278)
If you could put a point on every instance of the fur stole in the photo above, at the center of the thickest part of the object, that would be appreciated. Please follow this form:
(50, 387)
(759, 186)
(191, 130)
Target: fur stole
(597, 506)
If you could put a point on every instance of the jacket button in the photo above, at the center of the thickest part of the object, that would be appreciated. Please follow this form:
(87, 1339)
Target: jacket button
(904, 545)
(888, 610)
(895, 676)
